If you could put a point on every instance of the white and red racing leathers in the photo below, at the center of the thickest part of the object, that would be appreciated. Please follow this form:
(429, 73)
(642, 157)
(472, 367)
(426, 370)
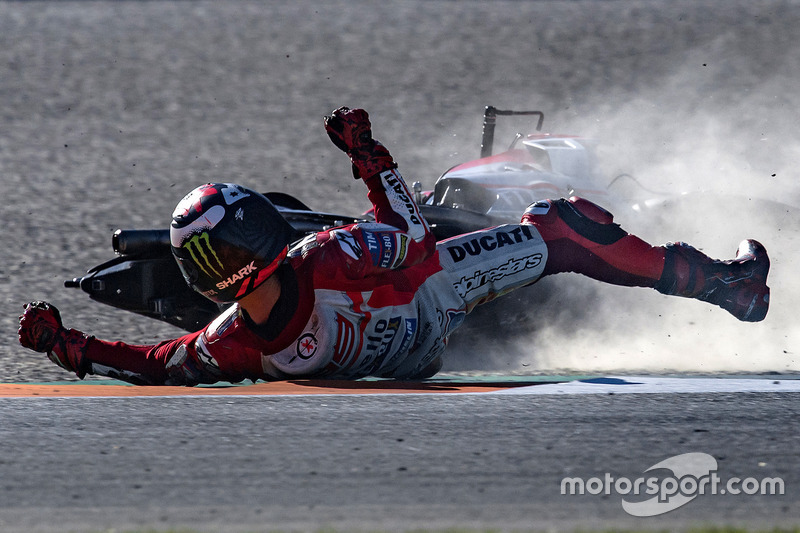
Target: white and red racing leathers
(372, 299)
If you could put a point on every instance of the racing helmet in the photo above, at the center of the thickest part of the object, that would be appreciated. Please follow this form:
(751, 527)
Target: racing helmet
(227, 240)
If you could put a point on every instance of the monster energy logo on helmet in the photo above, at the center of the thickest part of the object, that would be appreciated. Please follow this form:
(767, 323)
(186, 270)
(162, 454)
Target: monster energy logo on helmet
(199, 247)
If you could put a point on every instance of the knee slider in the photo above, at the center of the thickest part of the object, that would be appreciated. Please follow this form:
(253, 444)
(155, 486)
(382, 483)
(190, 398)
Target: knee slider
(589, 220)
(538, 211)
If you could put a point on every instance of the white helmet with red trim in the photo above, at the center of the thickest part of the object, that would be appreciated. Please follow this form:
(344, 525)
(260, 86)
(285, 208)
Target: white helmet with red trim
(227, 240)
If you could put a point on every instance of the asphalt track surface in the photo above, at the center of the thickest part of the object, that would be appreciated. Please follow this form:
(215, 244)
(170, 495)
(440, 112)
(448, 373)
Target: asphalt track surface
(111, 111)
(390, 461)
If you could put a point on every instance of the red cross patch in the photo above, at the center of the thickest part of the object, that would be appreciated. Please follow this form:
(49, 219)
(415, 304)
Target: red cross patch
(306, 346)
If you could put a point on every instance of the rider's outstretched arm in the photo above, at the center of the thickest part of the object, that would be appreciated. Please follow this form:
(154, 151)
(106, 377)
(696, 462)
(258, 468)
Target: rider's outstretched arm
(41, 330)
(182, 361)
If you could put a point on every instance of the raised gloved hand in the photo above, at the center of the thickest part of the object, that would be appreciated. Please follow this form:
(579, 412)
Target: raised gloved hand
(41, 330)
(351, 131)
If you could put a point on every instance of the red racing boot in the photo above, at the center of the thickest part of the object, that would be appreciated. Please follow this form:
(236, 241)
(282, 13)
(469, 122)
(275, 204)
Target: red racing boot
(582, 237)
(738, 285)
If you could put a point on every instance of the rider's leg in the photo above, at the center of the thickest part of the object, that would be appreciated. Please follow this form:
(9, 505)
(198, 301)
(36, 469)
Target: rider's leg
(582, 237)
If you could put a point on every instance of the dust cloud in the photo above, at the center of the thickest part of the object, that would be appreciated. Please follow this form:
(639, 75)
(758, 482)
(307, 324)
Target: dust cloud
(726, 156)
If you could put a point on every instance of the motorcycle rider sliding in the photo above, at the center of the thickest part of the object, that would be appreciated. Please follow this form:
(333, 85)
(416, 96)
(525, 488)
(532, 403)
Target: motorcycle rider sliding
(378, 298)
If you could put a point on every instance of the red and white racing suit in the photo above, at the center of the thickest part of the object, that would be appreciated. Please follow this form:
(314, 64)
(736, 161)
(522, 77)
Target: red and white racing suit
(378, 298)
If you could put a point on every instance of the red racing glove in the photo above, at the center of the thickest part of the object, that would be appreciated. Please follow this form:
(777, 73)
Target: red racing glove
(351, 131)
(40, 329)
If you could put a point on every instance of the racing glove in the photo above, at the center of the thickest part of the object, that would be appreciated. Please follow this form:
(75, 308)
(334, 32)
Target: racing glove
(351, 131)
(41, 330)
